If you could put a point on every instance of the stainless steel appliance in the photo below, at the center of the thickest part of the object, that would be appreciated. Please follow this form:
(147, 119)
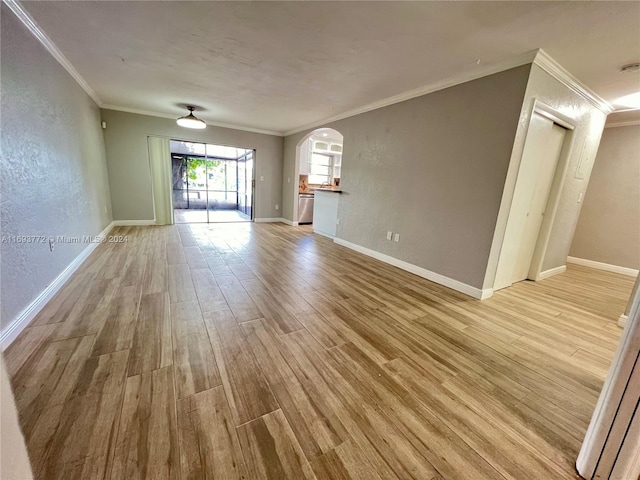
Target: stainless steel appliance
(305, 208)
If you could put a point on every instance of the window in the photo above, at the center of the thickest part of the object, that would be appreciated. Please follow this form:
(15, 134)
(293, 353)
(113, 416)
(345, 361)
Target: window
(320, 169)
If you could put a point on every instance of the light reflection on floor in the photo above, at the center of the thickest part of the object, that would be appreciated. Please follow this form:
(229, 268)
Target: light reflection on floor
(212, 216)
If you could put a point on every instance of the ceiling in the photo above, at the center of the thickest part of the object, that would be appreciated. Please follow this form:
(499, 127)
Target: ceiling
(279, 66)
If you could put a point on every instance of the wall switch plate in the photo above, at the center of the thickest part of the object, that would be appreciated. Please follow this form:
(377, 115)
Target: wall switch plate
(396, 237)
(389, 235)
(337, 221)
(288, 179)
(580, 198)
(261, 178)
(277, 206)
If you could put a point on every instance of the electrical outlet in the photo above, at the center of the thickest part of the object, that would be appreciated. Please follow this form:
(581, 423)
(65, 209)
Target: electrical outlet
(396, 237)
(51, 244)
(389, 235)
(277, 207)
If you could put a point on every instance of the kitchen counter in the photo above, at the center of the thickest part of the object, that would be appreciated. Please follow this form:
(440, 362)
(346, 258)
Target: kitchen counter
(327, 189)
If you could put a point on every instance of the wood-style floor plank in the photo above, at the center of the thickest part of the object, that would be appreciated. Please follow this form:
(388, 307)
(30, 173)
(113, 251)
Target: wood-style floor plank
(271, 449)
(209, 443)
(152, 342)
(44, 426)
(180, 284)
(316, 425)
(147, 441)
(88, 421)
(264, 351)
(195, 366)
(119, 327)
(247, 390)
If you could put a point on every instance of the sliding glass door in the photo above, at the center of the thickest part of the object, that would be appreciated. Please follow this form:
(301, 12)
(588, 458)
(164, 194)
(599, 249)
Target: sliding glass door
(245, 183)
(211, 183)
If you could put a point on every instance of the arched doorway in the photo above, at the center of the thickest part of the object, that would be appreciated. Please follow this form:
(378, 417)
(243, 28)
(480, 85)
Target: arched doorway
(318, 163)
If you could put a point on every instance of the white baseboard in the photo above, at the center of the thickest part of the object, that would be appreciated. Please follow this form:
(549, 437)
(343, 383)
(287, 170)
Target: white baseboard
(272, 220)
(329, 236)
(622, 320)
(551, 272)
(18, 324)
(288, 222)
(632, 272)
(133, 223)
(421, 272)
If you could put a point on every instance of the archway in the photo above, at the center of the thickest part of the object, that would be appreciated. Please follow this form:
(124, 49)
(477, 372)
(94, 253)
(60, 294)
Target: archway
(318, 161)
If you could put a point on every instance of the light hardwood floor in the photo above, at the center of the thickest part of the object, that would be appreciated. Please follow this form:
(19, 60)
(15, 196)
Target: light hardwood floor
(265, 351)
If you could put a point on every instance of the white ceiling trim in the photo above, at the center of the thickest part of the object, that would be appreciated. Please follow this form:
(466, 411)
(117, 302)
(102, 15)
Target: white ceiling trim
(553, 68)
(483, 71)
(42, 37)
(172, 116)
(622, 124)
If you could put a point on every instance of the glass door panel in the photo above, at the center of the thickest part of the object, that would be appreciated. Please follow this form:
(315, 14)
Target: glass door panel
(211, 183)
(189, 182)
(249, 184)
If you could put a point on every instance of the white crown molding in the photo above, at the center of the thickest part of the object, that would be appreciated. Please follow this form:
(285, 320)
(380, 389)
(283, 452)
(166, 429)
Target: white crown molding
(151, 113)
(553, 68)
(622, 124)
(481, 71)
(51, 47)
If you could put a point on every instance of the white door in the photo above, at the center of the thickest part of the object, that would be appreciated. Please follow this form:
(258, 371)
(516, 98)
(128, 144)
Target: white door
(545, 160)
(539, 161)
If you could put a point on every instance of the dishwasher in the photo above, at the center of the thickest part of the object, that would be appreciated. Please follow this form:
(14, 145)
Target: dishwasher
(305, 208)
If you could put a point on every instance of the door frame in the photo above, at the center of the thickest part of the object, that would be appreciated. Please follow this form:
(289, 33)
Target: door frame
(611, 445)
(535, 271)
(255, 164)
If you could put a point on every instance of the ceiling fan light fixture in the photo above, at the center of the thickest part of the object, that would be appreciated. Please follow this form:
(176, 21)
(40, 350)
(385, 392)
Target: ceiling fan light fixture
(191, 121)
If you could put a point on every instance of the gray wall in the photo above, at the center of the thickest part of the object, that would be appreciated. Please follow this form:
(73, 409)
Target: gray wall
(431, 169)
(608, 229)
(54, 173)
(128, 161)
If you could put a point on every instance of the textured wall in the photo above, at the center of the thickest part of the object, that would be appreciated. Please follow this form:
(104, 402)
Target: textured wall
(130, 175)
(608, 229)
(54, 174)
(431, 169)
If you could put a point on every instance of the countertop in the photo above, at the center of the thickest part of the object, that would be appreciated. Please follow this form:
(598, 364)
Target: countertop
(329, 189)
